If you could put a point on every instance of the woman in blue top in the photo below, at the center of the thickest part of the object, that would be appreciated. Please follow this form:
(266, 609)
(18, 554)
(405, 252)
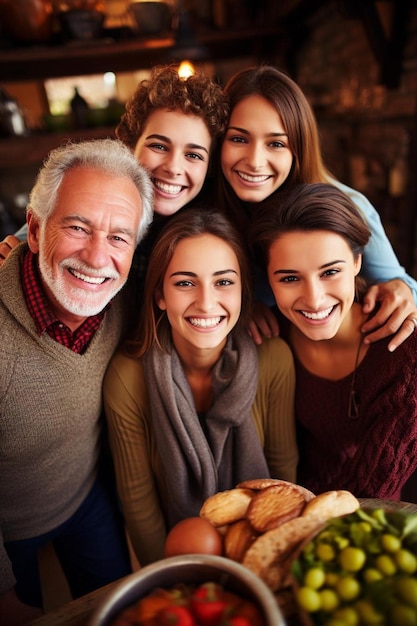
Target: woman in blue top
(271, 144)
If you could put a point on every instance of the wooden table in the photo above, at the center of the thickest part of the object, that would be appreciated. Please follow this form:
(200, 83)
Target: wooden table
(78, 612)
(375, 503)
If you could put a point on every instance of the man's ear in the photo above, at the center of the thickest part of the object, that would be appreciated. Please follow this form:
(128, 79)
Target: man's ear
(33, 231)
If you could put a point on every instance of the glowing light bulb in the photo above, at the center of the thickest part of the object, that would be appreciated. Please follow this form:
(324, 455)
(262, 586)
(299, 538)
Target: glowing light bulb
(186, 69)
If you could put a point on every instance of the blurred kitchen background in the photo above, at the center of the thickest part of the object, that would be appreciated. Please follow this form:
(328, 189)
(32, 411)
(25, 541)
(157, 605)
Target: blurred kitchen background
(68, 66)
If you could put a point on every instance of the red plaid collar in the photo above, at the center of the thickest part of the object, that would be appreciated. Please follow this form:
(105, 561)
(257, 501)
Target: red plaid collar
(45, 320)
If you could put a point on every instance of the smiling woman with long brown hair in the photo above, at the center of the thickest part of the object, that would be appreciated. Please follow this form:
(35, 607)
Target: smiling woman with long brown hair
(356, 404)
(193, 406)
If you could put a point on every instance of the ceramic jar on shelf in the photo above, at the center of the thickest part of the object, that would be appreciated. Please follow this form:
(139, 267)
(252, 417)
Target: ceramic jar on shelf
(80, 20)
(27, 21)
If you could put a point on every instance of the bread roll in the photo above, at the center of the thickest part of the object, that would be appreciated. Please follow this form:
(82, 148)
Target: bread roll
(331, 504)
(226, 507)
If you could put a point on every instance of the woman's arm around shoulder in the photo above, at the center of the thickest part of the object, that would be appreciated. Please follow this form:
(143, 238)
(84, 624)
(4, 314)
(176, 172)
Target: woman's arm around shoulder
(380, 263)
(7, 245)
(393, 292)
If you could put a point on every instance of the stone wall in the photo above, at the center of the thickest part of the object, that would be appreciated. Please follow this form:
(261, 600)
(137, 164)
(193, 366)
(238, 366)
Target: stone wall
(368, 130)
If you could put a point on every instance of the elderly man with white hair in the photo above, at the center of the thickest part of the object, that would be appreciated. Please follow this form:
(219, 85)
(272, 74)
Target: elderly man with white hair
(61, 318)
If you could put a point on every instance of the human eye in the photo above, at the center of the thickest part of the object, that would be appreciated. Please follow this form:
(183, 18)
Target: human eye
(195, 156)
(78, 230)
(120, 240)
(331, 272)
(224, 282)
(183, 283)
(233, 136)
(277, 144)
(158, 146)
(288, 279)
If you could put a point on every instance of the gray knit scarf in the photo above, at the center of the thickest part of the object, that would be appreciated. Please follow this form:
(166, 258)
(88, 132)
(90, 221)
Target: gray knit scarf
(197, 463)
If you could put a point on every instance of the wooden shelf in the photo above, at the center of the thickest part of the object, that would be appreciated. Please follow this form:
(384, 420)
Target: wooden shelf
(32, 150)
(107, 54)
(111, 53)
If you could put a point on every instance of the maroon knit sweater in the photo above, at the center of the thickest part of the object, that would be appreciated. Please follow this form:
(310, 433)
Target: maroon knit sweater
(374, 455)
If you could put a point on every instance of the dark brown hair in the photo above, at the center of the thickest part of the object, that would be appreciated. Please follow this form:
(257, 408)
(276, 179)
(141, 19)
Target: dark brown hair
(153, 325)
(310, 207)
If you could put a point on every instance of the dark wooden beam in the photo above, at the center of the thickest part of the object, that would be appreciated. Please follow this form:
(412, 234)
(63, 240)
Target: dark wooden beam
(388, 48)
(394, 51)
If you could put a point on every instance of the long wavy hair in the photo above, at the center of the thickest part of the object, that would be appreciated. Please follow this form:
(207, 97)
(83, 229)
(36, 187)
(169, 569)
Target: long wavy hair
(153, 326)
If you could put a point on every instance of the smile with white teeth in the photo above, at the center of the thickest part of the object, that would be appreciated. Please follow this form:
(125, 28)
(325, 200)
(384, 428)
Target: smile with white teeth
(321, 315)
(253, 179)
(204, 322)
(171, 189)
(93, 280)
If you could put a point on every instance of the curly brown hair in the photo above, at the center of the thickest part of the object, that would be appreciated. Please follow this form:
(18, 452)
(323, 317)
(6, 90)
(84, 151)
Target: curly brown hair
(197, 95)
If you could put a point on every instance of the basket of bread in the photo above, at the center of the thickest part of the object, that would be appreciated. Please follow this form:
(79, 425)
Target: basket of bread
(329, 562)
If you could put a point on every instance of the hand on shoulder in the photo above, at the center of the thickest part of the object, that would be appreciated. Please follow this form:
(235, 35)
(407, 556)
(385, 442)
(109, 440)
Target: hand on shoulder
(396, 315)
(263, 324)
(7, 245)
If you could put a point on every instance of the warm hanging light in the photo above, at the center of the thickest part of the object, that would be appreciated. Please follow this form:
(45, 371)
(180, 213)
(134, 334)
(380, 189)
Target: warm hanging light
(186, 69)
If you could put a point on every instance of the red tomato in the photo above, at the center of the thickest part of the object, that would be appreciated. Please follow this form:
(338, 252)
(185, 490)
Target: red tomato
(238, 621)
(248, 611)
(208, 605)
(175, 616)
(194, 535)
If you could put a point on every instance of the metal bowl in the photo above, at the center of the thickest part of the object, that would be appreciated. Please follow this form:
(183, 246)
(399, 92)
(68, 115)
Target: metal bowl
(190, 569)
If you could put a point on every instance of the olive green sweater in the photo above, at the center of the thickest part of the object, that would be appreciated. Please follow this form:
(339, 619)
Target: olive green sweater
(50, 417)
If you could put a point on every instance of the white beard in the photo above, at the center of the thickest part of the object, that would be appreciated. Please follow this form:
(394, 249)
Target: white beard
(78, 301)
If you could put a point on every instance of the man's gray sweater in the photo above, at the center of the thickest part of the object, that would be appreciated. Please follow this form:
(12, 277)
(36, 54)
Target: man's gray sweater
(50, 417)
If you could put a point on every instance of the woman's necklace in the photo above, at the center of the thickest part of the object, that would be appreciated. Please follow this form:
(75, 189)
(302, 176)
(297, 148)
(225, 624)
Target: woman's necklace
(353, 407)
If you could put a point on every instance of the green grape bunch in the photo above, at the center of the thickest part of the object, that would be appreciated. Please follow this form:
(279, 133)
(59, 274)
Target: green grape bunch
(361, 569)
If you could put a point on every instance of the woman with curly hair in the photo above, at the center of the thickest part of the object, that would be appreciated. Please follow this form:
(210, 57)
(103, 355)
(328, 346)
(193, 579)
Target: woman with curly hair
(172, 126)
